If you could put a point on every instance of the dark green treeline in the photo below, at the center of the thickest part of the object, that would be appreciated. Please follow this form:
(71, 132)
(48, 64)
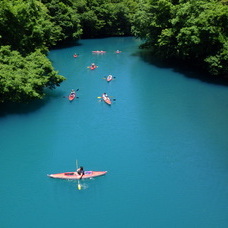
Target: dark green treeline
(188, 30)
(195, 31)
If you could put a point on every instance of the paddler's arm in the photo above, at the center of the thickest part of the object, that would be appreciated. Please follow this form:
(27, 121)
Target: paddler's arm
(81, 175)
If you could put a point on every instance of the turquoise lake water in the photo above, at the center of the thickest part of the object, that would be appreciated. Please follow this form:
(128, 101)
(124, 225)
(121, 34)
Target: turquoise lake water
(163, 142)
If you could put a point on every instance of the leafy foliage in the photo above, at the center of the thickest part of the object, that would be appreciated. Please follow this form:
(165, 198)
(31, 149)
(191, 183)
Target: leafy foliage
(26, 31)
(23, 78)
(104, 17)
(196, 31)
(64, 16)
(26, 26)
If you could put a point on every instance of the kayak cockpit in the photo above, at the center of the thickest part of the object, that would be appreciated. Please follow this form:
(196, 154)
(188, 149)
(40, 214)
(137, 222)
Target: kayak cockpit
(75, 173)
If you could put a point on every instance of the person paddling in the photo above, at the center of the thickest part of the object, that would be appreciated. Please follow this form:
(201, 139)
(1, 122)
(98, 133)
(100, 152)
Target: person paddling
(72, 92)
(80, 172)
(104, 96)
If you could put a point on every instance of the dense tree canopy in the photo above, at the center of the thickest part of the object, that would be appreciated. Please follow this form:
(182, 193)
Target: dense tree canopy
(26, 32)
(63, 14)
(105, 17)
(193, 31)
(23, 78)
(26, 26)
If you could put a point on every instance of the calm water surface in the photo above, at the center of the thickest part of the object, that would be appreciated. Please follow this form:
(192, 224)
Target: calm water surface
(163, 143)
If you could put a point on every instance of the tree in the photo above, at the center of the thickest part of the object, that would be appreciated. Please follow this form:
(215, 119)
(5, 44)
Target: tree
(64, 15)
(26, 26)
(194, 31)
(101, 18)
(24, 78)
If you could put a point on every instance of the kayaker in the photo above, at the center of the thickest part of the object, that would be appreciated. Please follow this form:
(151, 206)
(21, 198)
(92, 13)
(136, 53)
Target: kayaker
(72, 91)
(105, 95)
(80, 171)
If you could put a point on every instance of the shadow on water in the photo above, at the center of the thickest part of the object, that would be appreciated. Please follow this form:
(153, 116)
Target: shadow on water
(22, 108)
(66, 44)
(30, 107)
(184, 68)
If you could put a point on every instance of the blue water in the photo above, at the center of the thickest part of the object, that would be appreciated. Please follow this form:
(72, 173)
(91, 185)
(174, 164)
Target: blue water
(163, 143)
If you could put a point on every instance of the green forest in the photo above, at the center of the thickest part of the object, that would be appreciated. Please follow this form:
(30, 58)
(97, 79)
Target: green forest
(186, 30)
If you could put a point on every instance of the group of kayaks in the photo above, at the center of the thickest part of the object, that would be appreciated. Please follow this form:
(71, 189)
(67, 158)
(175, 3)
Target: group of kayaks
(109, 78)
(98, 52)
(103, 52)
(71, 97)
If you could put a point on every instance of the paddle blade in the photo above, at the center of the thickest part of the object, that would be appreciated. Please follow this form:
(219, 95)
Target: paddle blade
(79, 187)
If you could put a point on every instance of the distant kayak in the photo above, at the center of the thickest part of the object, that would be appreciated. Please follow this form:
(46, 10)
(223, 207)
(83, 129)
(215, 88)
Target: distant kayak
(75, 176)
(109, 78)
(92, 67)
(106, 99)
(72, 96)
(99, 52)
(75, 56)
(118, 51)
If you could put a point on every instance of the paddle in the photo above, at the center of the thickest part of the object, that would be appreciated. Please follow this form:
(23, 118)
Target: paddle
(110, 96)
(112, 78)
(67, 97)
(110, 99)
(79, 185)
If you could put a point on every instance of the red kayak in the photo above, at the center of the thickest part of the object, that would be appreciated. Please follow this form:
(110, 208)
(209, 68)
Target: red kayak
(75, 176)
(72, 96)
(99, 52)
(92, 67)
(106, 99)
